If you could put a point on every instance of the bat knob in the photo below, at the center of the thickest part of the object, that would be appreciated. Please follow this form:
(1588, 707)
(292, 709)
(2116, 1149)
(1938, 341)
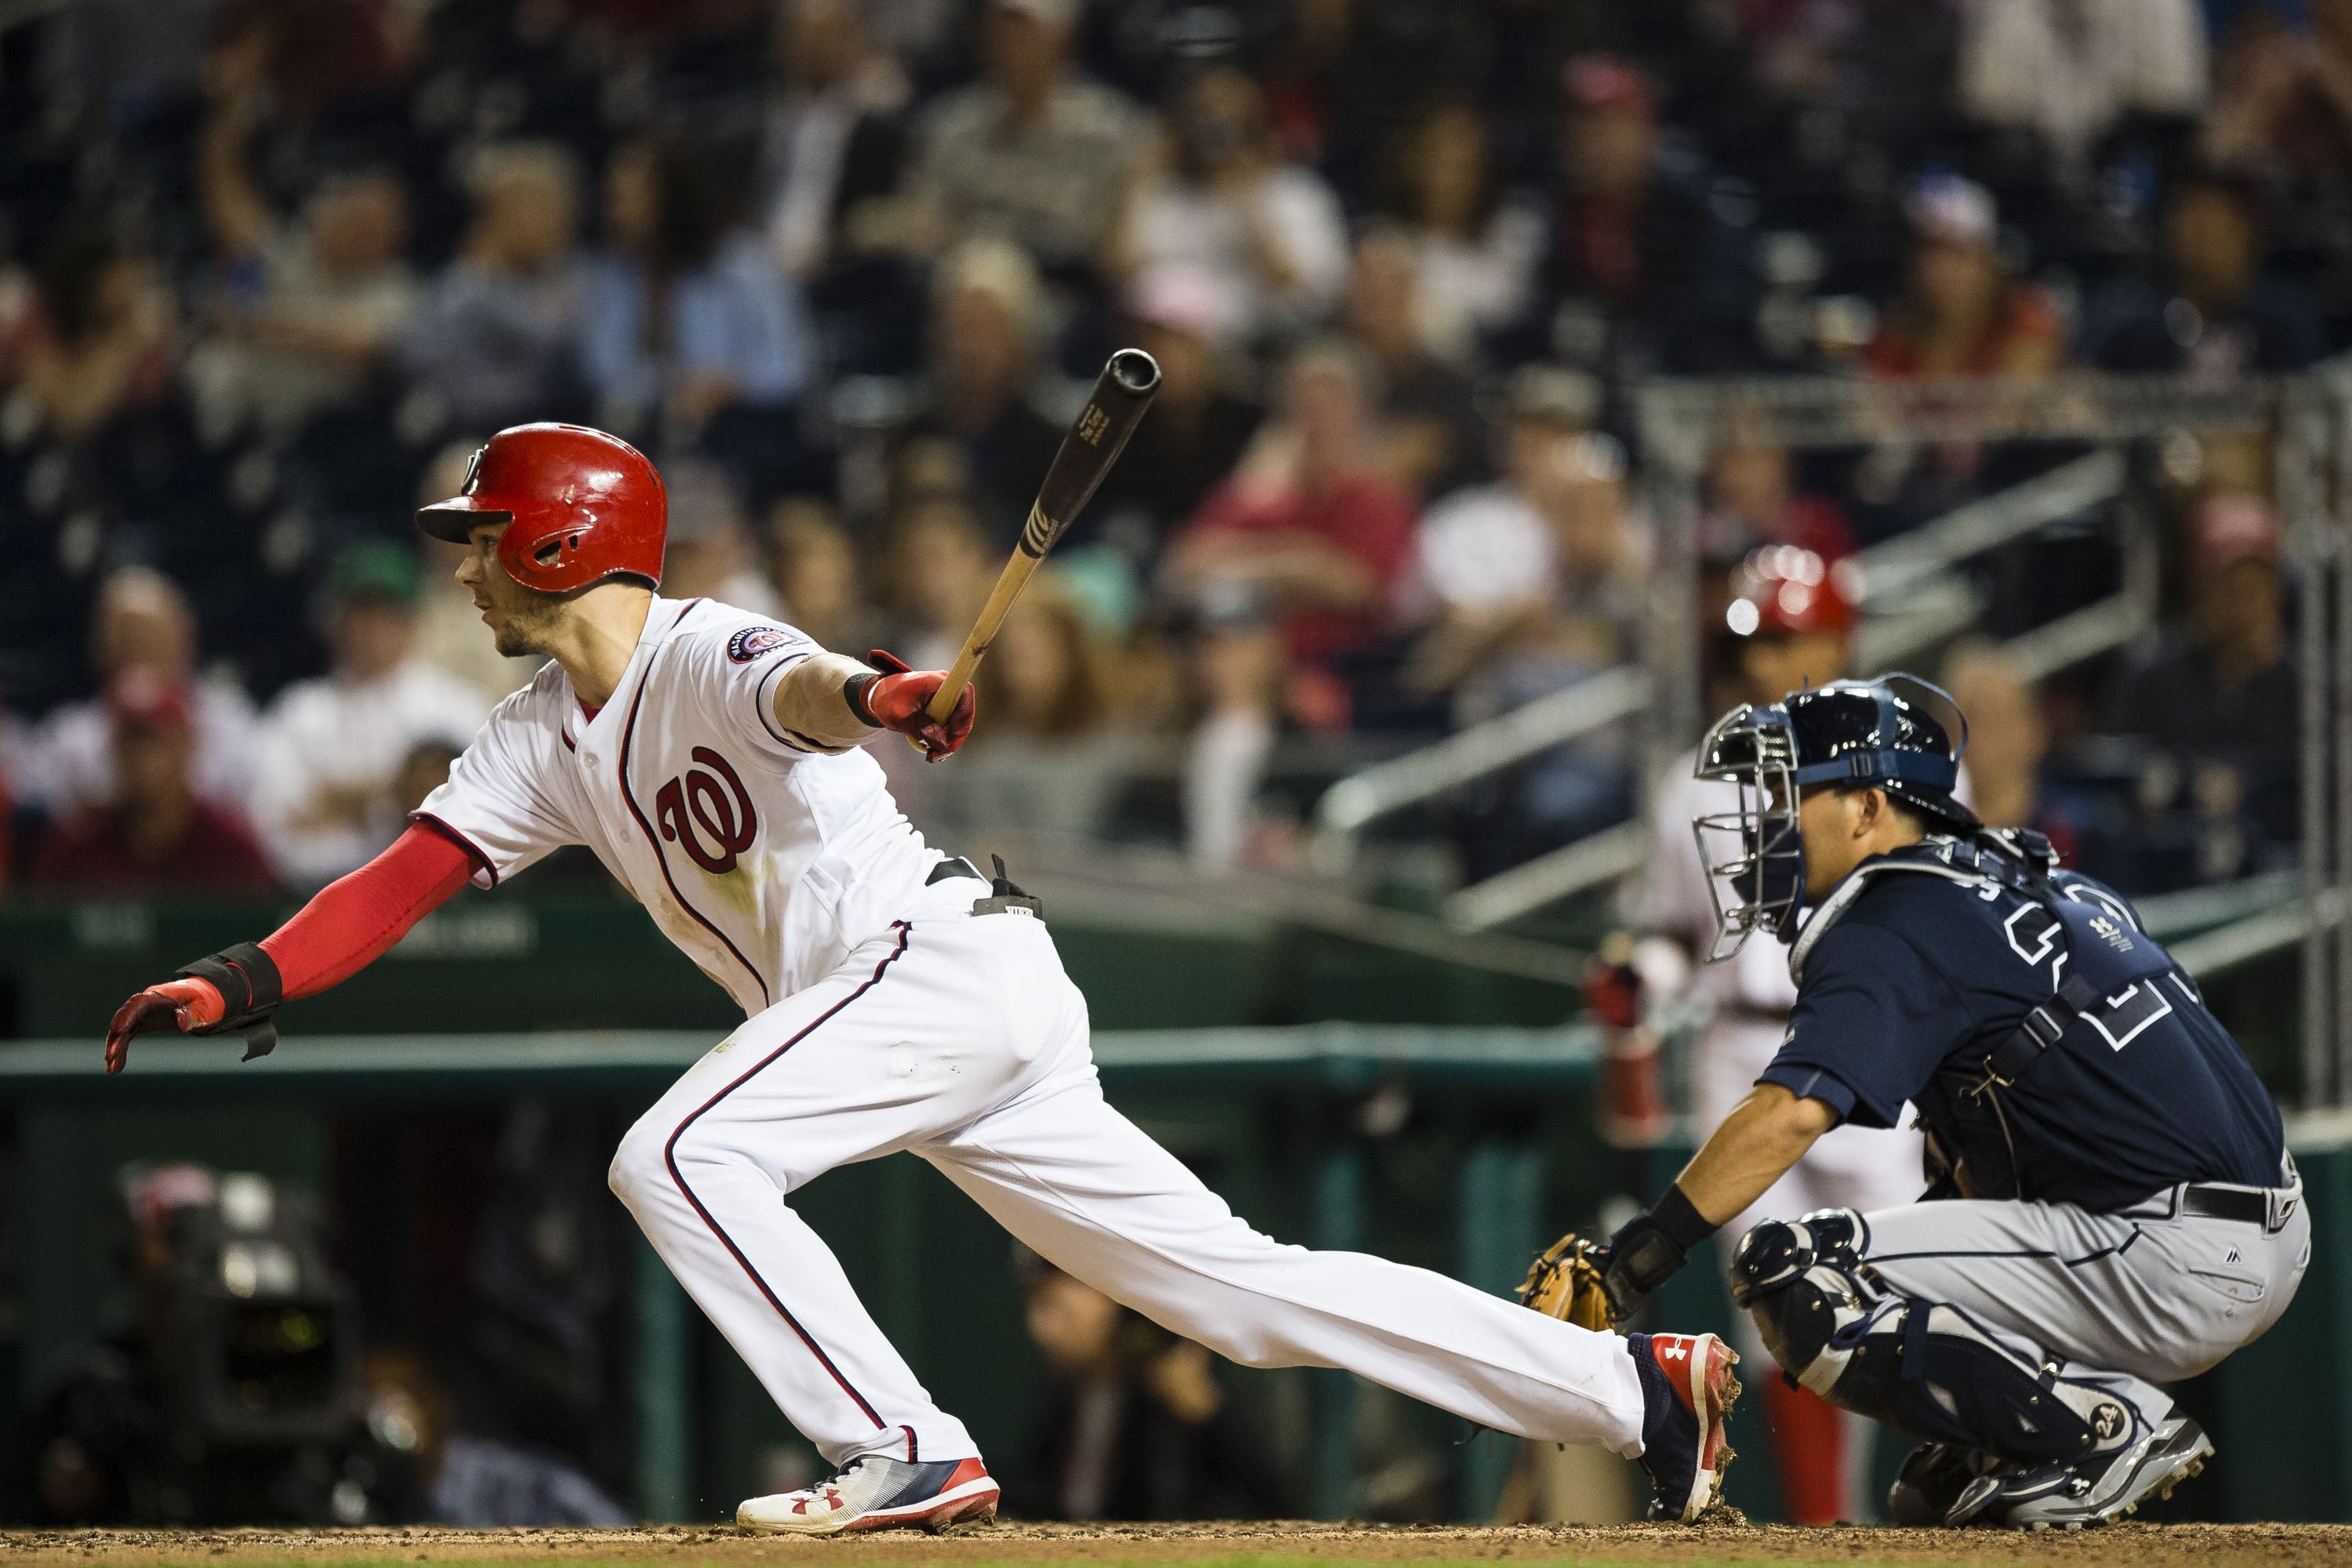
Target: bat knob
(1137, 372)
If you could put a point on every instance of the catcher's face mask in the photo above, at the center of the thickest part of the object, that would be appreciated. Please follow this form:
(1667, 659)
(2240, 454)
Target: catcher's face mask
(1755, 857)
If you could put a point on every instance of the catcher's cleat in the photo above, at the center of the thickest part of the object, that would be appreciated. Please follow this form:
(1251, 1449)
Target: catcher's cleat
(2107, 1487)
(1930, 1481)
(1688, 1390)
(876, 1493)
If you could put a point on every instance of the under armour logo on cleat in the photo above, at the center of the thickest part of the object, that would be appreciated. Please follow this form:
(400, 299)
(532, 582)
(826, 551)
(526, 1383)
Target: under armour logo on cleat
(1674, 1353)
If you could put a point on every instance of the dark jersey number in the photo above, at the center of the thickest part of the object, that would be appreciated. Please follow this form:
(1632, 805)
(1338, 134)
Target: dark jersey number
(2035, 936)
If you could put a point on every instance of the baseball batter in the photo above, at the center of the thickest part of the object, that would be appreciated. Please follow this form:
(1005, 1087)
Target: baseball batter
(2117, 1210)
(894, 1000)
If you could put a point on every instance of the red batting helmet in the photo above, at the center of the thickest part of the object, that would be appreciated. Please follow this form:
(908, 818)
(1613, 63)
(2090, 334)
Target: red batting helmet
(580, 506)
(1783, 590)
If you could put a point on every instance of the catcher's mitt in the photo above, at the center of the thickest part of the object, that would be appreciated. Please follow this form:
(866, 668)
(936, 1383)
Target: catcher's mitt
(1565, 1282)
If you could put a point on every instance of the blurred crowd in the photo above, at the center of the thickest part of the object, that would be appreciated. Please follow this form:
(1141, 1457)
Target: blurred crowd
(270, 269)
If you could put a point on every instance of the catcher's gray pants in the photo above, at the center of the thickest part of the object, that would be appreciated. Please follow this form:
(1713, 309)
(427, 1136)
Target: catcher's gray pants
(2121, 1301)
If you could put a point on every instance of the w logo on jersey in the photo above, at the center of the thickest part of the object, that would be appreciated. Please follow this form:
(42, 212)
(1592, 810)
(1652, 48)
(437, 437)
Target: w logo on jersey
(700, 811)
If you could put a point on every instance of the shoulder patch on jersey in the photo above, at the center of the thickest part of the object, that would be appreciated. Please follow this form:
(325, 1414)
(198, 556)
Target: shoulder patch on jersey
(752, 642)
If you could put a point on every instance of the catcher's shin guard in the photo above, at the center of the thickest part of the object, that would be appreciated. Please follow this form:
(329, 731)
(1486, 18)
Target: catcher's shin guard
(1926, 1369)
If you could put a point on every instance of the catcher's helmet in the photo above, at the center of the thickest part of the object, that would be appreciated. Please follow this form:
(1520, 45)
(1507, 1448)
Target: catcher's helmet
(1785, 590)
(580, 506)
(1849, 732)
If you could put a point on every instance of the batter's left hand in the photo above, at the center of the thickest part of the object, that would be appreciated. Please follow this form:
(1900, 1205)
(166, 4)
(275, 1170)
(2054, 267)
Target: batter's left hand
(897, 698)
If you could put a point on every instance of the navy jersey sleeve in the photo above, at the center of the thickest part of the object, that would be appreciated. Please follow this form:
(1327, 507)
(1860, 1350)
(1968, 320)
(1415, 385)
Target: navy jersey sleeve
(1872, 1022)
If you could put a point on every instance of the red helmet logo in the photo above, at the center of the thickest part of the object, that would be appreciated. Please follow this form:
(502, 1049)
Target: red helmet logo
(579, 505)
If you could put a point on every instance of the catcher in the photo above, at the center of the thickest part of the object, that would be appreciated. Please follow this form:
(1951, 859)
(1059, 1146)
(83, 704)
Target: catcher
(2131, 1215)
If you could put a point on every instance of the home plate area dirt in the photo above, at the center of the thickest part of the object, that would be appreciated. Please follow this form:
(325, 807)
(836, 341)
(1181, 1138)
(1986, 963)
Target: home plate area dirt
(1223, 1545)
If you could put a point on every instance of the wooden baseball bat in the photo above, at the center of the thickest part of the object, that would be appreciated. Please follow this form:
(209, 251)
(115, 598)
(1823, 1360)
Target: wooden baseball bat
(1112, 412)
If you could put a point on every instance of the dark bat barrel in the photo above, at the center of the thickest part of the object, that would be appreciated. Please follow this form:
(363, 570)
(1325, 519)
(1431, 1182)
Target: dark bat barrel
(1112, 412)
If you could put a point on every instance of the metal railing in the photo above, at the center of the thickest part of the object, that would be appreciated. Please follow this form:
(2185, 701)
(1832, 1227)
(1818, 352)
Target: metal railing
(1911, 589)
(1916, 594)
(1362, 798)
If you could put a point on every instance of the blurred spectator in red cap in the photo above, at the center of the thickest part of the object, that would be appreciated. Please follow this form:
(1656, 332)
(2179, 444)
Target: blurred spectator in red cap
(1266, 234)
(1200, 422)
(2220, 695)
(1635, 234)
(157, 836)
(141, 623)
(1308, 520)
(1962, 313)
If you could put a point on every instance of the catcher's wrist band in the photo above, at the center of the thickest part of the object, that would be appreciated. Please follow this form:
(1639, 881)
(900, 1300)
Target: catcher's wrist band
(1680, 1220)
(251, 989)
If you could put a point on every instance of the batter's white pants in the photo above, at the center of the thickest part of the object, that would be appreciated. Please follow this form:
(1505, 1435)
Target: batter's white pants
(958, 1037)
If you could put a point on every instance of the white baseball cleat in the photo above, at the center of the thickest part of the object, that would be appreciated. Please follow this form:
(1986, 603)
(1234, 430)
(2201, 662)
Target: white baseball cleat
(2069, 1497)
(876, 1493)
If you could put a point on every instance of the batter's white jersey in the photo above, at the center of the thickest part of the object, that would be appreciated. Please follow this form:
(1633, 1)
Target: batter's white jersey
(892, 1010)
(765, 856)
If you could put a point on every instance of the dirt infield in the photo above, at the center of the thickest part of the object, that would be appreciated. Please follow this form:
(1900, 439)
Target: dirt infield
(1228, 1545)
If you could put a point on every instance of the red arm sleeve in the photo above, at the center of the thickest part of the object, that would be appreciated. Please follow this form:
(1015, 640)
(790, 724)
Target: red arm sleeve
(354, 920)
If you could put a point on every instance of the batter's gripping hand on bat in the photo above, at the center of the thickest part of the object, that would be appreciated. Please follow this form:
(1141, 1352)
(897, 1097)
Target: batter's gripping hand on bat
(898, 698)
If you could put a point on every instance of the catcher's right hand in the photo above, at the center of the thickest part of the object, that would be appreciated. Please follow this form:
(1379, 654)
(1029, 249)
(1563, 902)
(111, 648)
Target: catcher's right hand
(1567, 1282)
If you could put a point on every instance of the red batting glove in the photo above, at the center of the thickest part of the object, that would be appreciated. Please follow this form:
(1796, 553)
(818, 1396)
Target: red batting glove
(897, 699)
(187, 1004)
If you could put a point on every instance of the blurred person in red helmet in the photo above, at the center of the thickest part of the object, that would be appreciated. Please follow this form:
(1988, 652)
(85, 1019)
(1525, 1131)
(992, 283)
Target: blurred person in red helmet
(1788, 623)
